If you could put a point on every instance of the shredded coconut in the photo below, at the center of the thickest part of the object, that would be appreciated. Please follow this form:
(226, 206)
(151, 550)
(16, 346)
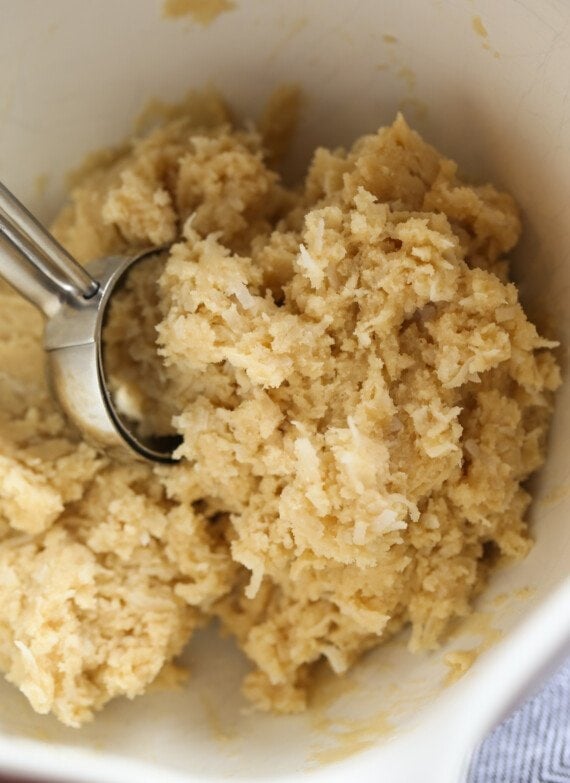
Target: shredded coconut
(360, 396)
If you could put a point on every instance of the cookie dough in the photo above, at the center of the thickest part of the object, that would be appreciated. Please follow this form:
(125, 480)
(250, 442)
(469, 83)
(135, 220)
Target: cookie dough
(359, 391)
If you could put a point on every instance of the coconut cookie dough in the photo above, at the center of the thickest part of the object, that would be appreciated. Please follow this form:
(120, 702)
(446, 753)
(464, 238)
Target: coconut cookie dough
(360, 397)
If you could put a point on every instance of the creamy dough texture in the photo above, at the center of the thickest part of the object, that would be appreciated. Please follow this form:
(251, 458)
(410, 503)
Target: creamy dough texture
(360, 396)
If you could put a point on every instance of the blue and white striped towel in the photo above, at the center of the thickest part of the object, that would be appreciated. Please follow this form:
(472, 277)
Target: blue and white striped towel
(533, 744)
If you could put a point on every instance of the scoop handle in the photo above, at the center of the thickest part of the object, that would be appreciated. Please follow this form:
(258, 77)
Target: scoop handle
(35, 264)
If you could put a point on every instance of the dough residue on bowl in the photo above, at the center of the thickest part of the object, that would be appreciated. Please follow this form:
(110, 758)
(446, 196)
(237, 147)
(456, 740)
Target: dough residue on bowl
(360, 396)
(203, 12)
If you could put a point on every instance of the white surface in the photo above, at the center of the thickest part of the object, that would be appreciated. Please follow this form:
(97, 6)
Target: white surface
(74, 76)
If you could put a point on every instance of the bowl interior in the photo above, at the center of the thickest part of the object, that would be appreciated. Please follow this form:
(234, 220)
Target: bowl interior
(484, 81)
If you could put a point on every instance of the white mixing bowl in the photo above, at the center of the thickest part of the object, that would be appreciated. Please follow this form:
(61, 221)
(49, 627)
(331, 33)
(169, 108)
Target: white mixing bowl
(488, 83)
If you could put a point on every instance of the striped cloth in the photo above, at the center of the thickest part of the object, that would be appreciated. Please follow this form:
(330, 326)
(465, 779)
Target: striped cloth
(533, 744)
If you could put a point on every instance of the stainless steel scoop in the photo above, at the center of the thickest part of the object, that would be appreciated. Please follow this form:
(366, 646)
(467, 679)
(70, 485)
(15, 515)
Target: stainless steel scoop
(73, 300)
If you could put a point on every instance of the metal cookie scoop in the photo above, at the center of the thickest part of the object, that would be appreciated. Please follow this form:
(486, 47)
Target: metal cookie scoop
(73, 301)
